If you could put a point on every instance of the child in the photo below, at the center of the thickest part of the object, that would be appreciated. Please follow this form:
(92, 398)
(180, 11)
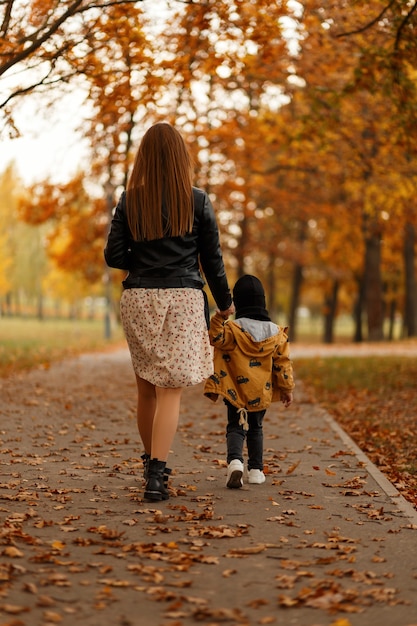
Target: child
(252, 368)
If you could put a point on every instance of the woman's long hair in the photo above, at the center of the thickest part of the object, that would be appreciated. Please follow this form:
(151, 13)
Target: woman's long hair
(159, 198)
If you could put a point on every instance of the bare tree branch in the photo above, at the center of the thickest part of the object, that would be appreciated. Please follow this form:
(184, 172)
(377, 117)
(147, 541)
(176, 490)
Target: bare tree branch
(369, 24)
(7, 16)
(27, 52)
(372, 23)
(287, 168)
(403, 25)
(74, 9)
(42, 82)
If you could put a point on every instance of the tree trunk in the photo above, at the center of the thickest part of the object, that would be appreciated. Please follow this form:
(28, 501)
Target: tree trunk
(330, 307)
(272, 304)
(373, 286)
(295, 299)
(358, 311)
(392, 310)
(242, 247)
(40, 303)
(410, 305)
(8, 303)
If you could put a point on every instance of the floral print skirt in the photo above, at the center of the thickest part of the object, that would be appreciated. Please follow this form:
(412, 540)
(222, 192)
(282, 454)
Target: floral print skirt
(167, 335)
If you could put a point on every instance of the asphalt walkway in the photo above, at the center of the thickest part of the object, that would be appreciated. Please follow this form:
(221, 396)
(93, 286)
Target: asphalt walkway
(327, 540)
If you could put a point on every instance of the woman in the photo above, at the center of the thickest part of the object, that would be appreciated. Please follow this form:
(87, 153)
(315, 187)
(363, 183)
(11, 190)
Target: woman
(163, 229)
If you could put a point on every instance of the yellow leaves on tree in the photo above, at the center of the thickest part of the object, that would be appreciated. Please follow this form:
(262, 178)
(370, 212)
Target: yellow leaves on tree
(75, 239)
(5, 264)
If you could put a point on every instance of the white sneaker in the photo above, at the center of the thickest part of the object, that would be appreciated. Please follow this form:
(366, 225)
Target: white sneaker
(256, 477)
(234, 474)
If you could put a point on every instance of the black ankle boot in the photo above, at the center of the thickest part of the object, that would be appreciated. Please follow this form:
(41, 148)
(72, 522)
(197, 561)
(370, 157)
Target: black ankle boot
(145, 458)
(167, 471)
(167, 474)
(155, 489)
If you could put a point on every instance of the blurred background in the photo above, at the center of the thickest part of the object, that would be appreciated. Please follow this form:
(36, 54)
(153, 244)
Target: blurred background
(302, 121)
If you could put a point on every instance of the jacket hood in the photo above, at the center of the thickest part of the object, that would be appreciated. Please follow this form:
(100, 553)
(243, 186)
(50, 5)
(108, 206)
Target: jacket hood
(252, 336)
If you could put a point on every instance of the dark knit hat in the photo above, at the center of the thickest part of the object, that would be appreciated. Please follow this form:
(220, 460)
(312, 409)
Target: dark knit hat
(249, 298)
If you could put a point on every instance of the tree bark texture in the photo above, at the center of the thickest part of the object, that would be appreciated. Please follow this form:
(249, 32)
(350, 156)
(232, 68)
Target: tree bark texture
(410, 305)
(295, 299)
(358, 311)
(373, 286)
(330, 307)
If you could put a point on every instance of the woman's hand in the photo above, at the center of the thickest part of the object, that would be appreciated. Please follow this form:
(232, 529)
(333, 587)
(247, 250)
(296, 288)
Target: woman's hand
(230, 311)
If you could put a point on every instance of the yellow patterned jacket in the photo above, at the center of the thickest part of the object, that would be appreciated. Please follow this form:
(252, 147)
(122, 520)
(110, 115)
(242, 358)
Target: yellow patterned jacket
(251, 362)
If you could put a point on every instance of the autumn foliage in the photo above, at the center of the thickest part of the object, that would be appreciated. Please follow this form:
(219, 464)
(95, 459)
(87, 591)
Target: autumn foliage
(301, 119)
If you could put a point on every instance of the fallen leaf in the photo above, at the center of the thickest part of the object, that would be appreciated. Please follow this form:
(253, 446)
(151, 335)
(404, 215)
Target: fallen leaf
(13, 552)
(293, 467)
(52, 617)
(13, 609)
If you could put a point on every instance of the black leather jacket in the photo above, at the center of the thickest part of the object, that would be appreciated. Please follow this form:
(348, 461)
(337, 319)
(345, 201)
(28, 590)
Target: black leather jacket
(171, 261)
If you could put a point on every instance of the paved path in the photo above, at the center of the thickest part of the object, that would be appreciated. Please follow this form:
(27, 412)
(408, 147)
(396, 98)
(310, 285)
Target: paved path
(325, 541)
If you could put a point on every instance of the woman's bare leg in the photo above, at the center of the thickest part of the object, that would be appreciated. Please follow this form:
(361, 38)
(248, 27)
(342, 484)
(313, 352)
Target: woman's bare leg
(165, 422)
(146, 408)
(158, 412)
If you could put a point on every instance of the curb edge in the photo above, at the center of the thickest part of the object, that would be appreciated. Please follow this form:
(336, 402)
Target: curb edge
(392, 492)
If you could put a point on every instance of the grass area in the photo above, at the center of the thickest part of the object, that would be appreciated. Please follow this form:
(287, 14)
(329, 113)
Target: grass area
(387, 374)
(375, 400)
(27, 343)
(311, 329)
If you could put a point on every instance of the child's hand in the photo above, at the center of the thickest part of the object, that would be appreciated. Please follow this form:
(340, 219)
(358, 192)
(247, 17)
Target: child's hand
(230, 311)
(286, 398)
